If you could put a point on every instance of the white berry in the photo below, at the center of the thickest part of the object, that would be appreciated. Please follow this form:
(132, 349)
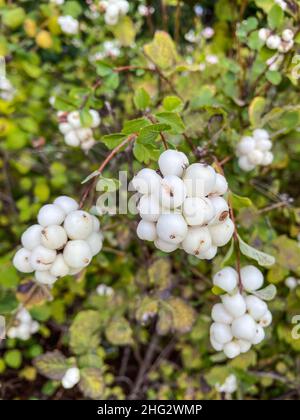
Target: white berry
(252, 278)
(221, 185)
(146, 181)
(171, 228)
(232, 349)
(172, 162)
(199, 179)
(31, 238)
(197, 240)
(50, 214)
(198, 211)
(221, 210)
(146, 230)
(77, 254)
(45, 277)
(78, 224)
(54, 237)
(256, 307)
(234, 304)
(149, 208)
(172, 192)
(259, 335)
(95, 241)
(226, 279)
(59, 267)
(221, 233)
(221, 332)
(244, 327)
(21, 261)
(67, 204)
(42, 258)
(219, 314)
(165, 246)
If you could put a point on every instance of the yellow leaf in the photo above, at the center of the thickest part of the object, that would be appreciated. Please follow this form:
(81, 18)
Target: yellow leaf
(124, 31)
(162, 51)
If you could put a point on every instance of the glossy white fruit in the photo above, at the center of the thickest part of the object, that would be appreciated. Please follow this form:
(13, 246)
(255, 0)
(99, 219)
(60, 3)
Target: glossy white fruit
(77, 254)
(232, 349)
(226, 279)
(71, 139)
(266, 320)
(21, 261)
(67, 204)
(221, 210)
(171, 228)
(208, 254)
(123, 6)
(260, 134)
(149, 208)
(172, 192)
(198, 211)
(245, 146)
(256, 307)
(42, 258)
(197, 241)
(273, 42)
(199, 179)
(59, 267)
(34, 327)
(96, 118)
(88, 144)
(264, 145)
(259, 335)
(53, 237)
(73, 118)
(71, 378)
(31, 238)
(221, 185)
(256, 157)
(263, 34)
(95, 241)
(146, 230)
(50, 214)
(111, 19)
(252, 278)
(215, 345)
(221, 332)
(244, 345)
(45, 277)
(221, 233)
(287, 35)
(267, 158)
(172, 162)
(24, 316)
(244, 327)
(78, 224)
(96, 223)
(146, 181)
(219, 314)
(84, 134)
(234, 304)
(284, 46)
(165, 246)
(64, 128)
(245, 165)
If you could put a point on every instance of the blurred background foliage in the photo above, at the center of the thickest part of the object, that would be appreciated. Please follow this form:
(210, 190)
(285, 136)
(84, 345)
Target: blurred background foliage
(149, 336)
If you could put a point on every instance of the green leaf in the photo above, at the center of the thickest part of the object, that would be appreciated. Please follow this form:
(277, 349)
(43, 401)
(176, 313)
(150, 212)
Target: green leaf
(173, 119)
(103, 69)
(141, 153)
(262, 258)
(113, 140)
(172, 104)
(53, 365)
(150, 133)
(118, 332)
(268, 293)
(13, 17)
(162, 50)
(124, 31)
(274, 77)
(72, 8)
(84, 331)
(255, 110)
(13, 358)
(86, 118)
(133, 126)
(8, 302)
(239, 202)
(275, 17)
(217, 291)
(141, 99)
(92, 383)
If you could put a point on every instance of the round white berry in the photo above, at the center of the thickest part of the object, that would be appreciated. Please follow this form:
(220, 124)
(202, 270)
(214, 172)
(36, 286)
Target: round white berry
(256, 307)
(96, 223)
(123, 6)
(59, 267)
(77, 254)
(234, 304)
(172, 162)
(273, 42)
(226, 279)
(260, 134)
(171, 228)
(209, 254)
(88, 144)
(95, 241)
(259, 335)
(146, 230)
(71, 139)
(31, 238)
(42, 258)
(267, 158)
(219, 314)
(45, 277)
(50, 214)
(84, 134)
(221, 185)
(34, 327)
(264, 145)
(221, 332)
(197, 240)
(198, 211)
(221, 210)
(73, 118)
(21, 261)
(266, 320)
(245, 165)
(67, 204)
(24, 316)
(255, 157)
(263, 34)
(54, 237)
(215, 345)
(165, 246)
(172, 192)
(287, 35)
(65, 128)
(221, 233)
(199, 179)
(149, 208)
(244, 327)
(78, 224)
(232, 349)
(252, 278)
(96, 118)
(244, 345)
(284, 46)
(146, 181)
(71, 378)
(245, 146)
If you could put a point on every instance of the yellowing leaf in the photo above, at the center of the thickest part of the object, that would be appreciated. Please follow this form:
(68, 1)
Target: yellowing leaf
(92, 383)
(124, 31)
(256, 109)
(162, 50)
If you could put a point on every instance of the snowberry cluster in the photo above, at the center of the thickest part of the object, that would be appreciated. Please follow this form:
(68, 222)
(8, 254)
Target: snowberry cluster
(24, 326)
(110, 48)
(146, 10)
(291, 282)
(63, 242)
(113, 10)
(240, 319)
(76, 135)
(282, 43)
(103, 290)
(7, 91)
(183, 207)
(71, 378)
(68, 24)
(255, 150)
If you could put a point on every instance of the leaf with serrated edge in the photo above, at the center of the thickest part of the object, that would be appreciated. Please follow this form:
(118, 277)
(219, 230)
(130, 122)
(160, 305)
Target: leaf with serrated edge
(53, 365)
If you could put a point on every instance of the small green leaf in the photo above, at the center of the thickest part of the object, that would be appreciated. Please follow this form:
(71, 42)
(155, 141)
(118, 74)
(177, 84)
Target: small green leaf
(150, 133)
(239, 202)
(141, 99)
(263, 259)
(13, 358)
(53, 365)
(84, 331)
(217, 291)
(162, 50)
(268, 293)
(118, 332)
(274, 77)
(172, 104)
(173, 119)
(275, 17)
(133, 126)
(113, 140)
(90, 176)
